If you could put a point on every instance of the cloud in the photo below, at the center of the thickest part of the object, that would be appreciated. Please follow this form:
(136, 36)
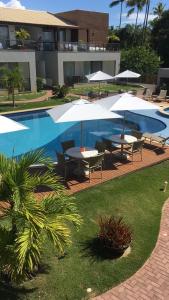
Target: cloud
(12, 4)
(132, 18)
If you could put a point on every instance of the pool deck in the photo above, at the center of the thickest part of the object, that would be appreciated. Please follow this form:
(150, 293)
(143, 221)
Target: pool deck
(115, 168)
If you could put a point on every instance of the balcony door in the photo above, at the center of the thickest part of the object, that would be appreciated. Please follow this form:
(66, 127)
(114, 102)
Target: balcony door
(4, 36)
(48, 39)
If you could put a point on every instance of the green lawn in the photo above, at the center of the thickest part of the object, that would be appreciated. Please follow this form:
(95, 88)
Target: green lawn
(139, 199)
(24, 96)
(103, 87)
(46, 103)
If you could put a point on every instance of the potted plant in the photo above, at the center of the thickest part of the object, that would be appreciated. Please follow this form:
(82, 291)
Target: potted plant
(22, 35)
(114, 235)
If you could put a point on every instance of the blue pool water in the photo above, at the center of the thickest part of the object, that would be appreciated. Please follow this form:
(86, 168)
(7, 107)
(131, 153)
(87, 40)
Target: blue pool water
(44, 133)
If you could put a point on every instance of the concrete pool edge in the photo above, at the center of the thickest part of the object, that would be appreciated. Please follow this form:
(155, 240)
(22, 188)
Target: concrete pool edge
(26, 110)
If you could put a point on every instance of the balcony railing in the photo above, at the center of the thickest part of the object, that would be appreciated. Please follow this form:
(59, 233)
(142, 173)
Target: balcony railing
(58, 46)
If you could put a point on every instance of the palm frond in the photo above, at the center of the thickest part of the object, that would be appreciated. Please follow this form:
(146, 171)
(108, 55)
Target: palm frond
(130, 12)
(33, 158)
(115, 2)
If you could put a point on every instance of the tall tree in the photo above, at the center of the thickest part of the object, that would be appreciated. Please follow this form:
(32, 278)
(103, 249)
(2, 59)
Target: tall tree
(26, 224)
(159, 9)
(117, 2)
(135, 4)
(12, 79)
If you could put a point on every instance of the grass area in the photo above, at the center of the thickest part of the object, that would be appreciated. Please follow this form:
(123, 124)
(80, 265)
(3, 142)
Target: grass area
(139, 199)
(103, 87)
(23, 96)
(46, 103)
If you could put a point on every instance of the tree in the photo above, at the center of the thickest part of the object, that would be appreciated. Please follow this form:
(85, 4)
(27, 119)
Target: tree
(22, 35)
(140, 59)
(26, 224)
(160, 37)
(12, 79)
(159, 9)
(138, 4)
(117, 2)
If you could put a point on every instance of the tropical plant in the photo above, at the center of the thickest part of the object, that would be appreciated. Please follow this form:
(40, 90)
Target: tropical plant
(12, 79)
(135, 4)
(160, 37)
(39, 83)
(60, 91)
(117, 2)
(114, 234)
(159, 9)
(26, 224)
(140, 59)
(22, 35)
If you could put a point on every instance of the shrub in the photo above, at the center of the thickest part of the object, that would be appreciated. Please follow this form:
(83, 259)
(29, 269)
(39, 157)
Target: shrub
(114, 235)
(60, 91)
(39, 83)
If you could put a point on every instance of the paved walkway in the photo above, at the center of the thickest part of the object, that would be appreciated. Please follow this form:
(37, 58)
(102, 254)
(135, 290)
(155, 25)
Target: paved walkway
(39, 99)
(151, 282)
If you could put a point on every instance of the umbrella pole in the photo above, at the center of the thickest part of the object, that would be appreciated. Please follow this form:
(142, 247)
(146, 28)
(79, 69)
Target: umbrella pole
(124, 121)
(81, 134)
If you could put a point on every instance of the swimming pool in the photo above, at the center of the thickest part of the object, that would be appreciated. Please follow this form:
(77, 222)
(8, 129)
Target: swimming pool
(44, 133)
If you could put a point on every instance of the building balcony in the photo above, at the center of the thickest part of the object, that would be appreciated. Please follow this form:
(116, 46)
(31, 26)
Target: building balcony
(58, 46)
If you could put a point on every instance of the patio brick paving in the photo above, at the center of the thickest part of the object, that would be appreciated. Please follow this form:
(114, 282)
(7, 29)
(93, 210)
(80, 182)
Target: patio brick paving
(151, 282)
(115, 168)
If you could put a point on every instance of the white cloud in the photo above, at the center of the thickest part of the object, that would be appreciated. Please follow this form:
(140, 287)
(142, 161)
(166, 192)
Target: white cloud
(12, 4)
(132, 18)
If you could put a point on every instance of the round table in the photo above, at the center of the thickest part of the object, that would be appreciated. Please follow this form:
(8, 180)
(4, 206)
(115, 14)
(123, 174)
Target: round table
(126, 140)
(75, 152)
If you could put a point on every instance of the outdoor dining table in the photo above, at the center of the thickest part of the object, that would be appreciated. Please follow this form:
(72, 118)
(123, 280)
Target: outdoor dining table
(81, 153)
(122, 141)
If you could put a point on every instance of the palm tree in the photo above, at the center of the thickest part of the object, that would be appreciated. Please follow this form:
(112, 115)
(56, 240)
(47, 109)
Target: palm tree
(117, 2)
(26, 224)
(159, 9)
(12, 79)
(138, 4)
(22, 35)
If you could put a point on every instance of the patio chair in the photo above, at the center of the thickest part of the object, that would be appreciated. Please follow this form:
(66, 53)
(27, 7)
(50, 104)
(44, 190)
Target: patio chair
(149, 137)
(100, 146)
(94, 163)
(161, 97)
(67, 145)
(137, 134)
(148, 95)
(140, 93)
(109, 146)
(137, 147)
(64, 164)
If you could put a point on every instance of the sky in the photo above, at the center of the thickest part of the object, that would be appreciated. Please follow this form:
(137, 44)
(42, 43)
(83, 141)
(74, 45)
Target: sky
(94, 5)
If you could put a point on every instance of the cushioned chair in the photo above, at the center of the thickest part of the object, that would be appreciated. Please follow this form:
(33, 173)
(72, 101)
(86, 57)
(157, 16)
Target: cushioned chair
(100, 146)
(67, 145)
(65, 166)
(109, 145)
(137, 134)
(150, 137)
(136, 147)
(94, 163)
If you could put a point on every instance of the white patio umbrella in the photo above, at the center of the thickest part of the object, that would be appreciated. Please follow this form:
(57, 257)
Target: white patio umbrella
(99, 77)
(124, 102)
(79, 111)
(8, 125)
(127, 74)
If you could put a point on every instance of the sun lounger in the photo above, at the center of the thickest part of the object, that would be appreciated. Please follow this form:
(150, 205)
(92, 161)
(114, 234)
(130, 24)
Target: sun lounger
(148, 95)
(161, 97)
(153, 138)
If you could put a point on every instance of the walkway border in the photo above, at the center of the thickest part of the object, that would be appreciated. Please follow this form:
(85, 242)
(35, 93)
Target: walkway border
(151, 281)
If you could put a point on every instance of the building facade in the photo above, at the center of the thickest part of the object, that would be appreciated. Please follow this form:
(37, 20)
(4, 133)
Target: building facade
(61, 48)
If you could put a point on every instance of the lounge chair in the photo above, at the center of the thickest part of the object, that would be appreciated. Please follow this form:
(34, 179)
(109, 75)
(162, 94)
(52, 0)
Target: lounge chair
(137, 147)
(153, 138)
(161, 97)
(148, 95)
(140, 93)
